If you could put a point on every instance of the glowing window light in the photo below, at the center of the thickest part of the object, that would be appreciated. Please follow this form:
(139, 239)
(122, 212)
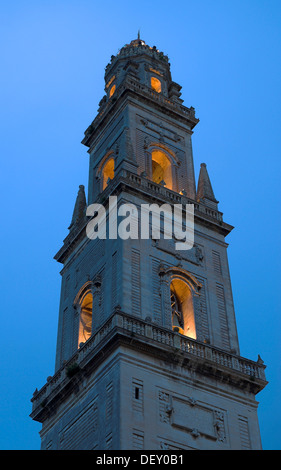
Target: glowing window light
(112, 90)
(108, 172)
(155, 84)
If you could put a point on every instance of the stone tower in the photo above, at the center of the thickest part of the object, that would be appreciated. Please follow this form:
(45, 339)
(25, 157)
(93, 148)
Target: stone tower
(147, 347)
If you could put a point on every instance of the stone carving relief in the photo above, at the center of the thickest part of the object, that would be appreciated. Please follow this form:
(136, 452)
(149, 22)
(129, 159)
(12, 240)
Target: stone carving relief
(219, 425)
(165, 407)
(189, 415)
(162, 130)
(199, 255)
(191, 401)
(195, 433)
(195, 255)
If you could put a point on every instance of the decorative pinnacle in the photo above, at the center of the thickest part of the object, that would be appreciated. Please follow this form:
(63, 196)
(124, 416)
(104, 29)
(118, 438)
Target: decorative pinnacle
(80, 207)
(204, 188)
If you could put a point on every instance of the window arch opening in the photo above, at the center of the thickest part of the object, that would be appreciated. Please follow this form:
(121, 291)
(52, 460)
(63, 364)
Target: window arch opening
(161, 169)
(107, 173)
(112, 90)
(182, 311)
(86, 314)
(155, 84)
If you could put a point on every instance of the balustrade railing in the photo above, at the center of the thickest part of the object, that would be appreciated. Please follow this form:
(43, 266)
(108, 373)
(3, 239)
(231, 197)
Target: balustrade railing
(167, 193)
(135, 86)
(151, 333)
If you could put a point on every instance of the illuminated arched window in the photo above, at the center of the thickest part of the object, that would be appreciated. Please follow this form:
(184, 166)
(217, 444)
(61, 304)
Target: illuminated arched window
(107, 172)
(155, 84)
(85, 318)
(161, 169)
(182, 311)
(112, 90)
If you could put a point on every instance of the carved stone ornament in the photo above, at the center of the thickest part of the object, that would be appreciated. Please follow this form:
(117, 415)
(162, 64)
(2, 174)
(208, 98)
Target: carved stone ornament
(199, 254)
(165, 407)
(144, 122)
(97, 282)
(219, 425)
(192, 401)
(195, 433)
(146, 142)
(161, 269)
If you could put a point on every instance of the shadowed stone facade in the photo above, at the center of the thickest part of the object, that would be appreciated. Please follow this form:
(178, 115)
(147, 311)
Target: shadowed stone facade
(126, 375)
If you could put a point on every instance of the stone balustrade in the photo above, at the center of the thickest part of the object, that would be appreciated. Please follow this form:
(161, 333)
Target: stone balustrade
(137, 87)
(156, 336)
(172, 196)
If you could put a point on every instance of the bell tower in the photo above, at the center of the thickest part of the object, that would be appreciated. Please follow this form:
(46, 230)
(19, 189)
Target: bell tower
(147, 347)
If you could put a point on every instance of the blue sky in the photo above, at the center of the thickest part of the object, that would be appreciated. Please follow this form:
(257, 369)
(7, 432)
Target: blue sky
(226, 56)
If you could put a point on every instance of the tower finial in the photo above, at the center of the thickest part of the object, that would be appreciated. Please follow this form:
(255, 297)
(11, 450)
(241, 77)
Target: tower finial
(139, 34)
(204, 188)
(79, 208)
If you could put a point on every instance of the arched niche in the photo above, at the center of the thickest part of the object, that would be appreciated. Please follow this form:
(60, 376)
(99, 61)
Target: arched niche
(106, 170)
(183, 290)
(161, 168)
(155, 84)
(162, 165)
(183, 319)
(84, 305)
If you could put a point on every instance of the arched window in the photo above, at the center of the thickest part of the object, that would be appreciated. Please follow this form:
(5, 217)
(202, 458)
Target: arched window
(155, 84)
(112, 90)
(161, 169)
(182, 310)
(107, 172)
(85, 318)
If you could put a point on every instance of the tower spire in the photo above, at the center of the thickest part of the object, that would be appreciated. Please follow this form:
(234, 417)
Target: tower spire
(79, 208)
(204, 188)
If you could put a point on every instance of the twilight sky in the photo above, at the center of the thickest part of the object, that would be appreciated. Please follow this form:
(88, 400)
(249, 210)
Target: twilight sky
(226, 57)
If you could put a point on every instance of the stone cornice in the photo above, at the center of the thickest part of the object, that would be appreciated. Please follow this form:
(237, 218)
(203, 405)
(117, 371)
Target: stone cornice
(144, 93)
(158, 342)
(125, 180)
(137, 48)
